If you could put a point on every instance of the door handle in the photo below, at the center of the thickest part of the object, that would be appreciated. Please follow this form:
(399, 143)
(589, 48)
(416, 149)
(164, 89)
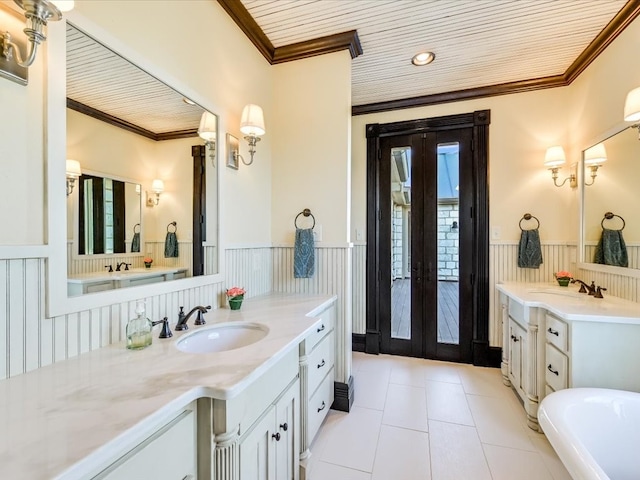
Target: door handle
(417, 271)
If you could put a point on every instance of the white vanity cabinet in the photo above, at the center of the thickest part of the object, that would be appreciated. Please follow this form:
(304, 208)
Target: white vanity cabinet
(317, 359)
(168, 454)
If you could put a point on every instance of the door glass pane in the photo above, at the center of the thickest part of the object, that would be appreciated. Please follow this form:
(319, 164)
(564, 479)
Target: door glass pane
(400, 242)
(448, 244)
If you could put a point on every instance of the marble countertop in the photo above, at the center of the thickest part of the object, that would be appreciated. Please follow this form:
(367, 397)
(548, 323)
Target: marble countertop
(60, 419)
(568, 304)
(123, 275)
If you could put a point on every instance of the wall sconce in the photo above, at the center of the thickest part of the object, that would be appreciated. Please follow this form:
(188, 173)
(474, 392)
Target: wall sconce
(73, 171)
(208, 131)
(252, 125)
(594, 157)
(554, 160)
(157, 187)
(37, 13)
(632, 108)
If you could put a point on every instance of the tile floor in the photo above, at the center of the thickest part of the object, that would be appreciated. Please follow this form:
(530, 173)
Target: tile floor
(418, 419)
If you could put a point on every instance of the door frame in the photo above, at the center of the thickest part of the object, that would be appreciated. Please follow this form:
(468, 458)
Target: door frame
(480, 352)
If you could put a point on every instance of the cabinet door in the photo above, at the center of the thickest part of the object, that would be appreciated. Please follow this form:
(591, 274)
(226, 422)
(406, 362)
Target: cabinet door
(150, 460)
(517, 338)
(258, 450)
(287, 426)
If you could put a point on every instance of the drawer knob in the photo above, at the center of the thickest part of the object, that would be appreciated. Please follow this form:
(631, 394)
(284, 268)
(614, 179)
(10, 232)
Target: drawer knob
(321, 364)
(320, 328)
(284, 426)
(552, 331)
(322, 407)
(276, 436)
(550, 368)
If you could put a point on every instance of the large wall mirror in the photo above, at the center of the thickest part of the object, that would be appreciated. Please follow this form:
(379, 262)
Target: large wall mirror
(148, 187)
(610, 223)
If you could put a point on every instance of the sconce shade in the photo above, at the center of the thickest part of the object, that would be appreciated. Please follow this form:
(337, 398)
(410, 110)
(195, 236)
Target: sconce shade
(252, 120)
(632, 106)
(207, 128)
(73, 168)
(595, 155)
(157, 186)
(554, 157)
(64, 5)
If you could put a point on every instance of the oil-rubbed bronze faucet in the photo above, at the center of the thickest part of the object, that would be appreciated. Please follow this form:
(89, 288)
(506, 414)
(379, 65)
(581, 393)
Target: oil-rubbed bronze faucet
(182, 318)
(584, 288)
(599, 291)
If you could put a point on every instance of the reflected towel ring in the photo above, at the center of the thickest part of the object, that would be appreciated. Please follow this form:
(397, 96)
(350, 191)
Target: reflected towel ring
(609, 216)
(307, 213)
(528, 216)
(137, 225)
(175, 227)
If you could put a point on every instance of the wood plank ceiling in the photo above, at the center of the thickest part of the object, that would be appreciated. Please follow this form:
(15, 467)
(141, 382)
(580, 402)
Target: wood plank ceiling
(477, 43)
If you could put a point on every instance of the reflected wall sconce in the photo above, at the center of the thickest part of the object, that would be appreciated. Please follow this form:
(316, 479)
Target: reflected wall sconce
(594, 157)
(208, 132)
(632, 108)
(73, 171)
(252, 125)
(554, 159)
(37, 12)
(157, 187)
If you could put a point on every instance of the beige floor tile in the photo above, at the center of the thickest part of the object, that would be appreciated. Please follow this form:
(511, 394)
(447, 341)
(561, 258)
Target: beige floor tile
(353, 440)
(483, 381)
(447, 402)
(370, 390)
(441, 371)
(328, 471)
(406, 407)
(402, 454)
(380, 364)
(549, 457)
(509, 464)
(408, 373)
(498, 423)
(456, 453)
(332, 419)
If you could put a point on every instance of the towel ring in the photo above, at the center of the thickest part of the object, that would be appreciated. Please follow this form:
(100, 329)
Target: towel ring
(175, 227)
(609, 216)
(528, 216)
(137, 225)
(307, 213)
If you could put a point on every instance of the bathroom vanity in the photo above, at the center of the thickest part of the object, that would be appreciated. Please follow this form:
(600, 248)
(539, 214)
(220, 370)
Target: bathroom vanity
(164, 413)
(556, 338)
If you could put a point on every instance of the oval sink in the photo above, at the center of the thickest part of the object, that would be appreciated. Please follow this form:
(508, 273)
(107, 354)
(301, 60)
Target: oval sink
(222, 337)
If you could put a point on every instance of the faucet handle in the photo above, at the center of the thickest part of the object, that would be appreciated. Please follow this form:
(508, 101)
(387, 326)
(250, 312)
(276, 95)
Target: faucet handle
(110, 268)
(599, 291)
(126, 266)
(200, 318)
(166, 331)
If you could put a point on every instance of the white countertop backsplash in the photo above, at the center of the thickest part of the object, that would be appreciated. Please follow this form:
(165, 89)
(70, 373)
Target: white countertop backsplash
(80, 409)
(567, 303)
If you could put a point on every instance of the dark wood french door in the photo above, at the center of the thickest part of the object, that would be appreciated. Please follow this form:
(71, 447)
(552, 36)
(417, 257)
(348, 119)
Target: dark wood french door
(427, 266)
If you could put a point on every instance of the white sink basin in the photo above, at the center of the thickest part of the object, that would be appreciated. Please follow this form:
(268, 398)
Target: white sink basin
(222, 337)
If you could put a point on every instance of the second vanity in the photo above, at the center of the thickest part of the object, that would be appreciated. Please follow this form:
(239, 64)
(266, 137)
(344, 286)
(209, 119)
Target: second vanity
(100, 281)
(556, 338)
(162, 413)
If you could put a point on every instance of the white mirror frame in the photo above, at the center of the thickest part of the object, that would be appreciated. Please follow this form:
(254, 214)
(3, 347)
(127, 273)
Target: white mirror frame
(57, 301)
(582, 261)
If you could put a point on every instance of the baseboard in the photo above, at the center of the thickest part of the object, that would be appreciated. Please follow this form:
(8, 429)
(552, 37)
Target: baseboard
(343, 396)
(358, 342)
(485, 355)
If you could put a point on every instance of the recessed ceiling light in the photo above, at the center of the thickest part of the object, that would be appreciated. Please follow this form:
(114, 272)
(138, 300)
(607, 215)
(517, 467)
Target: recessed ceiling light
(188, 101)
(423, 58)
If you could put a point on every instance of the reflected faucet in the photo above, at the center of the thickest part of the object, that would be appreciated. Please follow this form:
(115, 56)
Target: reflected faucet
(119, 266)
(584, 288)
(182, 317)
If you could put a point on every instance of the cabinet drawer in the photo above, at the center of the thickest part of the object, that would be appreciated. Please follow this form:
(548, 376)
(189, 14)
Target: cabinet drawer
(319, 404)
(556, 332)
(556, 366)
(325, 326)
(320, 362)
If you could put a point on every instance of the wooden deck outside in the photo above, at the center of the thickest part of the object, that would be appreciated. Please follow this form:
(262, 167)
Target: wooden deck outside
(448, 313)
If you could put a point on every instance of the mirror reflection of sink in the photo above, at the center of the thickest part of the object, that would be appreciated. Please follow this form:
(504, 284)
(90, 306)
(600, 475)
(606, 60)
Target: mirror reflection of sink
(222, 337)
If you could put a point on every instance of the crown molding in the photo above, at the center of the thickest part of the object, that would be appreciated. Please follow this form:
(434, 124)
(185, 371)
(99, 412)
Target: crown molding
(248, 25)
(118, 122)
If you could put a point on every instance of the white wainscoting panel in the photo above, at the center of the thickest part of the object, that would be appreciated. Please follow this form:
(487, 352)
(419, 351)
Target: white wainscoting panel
(250, 268)
(29, 340)
(332, 276)
(359, 289)
(616, 285)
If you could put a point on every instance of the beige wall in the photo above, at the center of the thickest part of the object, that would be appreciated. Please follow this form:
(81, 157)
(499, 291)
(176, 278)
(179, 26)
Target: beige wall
(311, 150)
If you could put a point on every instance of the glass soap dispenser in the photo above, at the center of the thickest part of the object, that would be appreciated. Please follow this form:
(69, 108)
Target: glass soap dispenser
(139, 330)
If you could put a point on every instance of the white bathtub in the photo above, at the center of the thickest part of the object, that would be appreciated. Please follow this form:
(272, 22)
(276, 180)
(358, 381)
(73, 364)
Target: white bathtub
(595, 432)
